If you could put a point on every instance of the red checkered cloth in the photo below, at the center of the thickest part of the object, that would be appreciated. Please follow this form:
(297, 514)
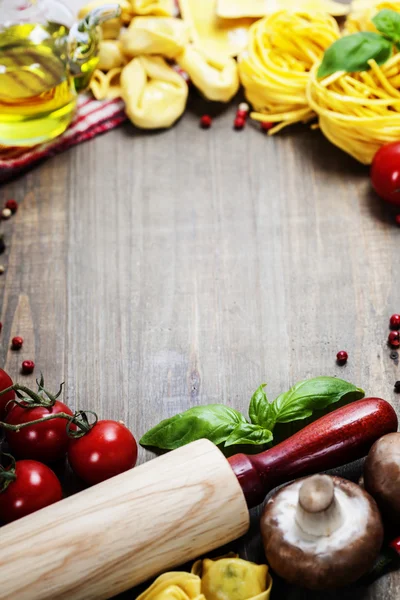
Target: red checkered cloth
(92, 118)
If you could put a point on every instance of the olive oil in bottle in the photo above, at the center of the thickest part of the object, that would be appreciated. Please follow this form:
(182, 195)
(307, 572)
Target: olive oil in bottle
(37, 91)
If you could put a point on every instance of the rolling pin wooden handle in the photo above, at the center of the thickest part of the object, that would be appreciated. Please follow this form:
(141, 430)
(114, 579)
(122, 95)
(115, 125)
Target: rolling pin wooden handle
(340, 437)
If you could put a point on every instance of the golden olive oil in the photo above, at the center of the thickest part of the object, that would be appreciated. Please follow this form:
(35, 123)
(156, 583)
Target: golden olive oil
(37, 91)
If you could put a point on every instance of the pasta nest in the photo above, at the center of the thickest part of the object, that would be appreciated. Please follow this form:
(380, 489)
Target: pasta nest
(275, 69)
(362, 12)
(359, 112)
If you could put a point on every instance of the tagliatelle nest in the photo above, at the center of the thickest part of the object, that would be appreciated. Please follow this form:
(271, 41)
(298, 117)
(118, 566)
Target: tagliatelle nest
(359, 112)
(276, 68)
(362, 12)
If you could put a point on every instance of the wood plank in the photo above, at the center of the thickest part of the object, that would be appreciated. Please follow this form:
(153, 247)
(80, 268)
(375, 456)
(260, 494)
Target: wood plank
(158, 271)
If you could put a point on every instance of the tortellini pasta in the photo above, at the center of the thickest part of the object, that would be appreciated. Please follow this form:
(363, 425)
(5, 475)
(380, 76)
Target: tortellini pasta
(106, 86)
(155, 95)
(110, 55)
(155, 35)
(160, 8)
(174, 586)
(225, 578)
(232, 578)
(111, 28)
(215, 76)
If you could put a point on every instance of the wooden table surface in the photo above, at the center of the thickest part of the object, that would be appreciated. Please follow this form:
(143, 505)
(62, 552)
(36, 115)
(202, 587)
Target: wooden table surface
(158, 271)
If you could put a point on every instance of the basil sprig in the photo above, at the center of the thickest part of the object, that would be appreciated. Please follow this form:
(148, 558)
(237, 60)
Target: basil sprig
(352, 53)
(227, 427)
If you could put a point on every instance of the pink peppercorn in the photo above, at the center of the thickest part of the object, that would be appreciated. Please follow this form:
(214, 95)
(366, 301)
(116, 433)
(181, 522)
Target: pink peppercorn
(342, 357)
(17, 342)
(265, 126)
(395, 322)
(205, 122)
(12, 205)
(27, 367)
(239, 123)
(394, 339)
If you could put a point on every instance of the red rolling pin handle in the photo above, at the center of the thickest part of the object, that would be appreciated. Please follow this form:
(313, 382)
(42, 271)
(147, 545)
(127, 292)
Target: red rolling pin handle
(340, 437)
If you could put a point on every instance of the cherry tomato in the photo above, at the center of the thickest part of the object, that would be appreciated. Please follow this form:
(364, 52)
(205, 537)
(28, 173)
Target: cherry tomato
(47, 441)
(5, 382)
(108, 449)
(35, 487)
(385, 173)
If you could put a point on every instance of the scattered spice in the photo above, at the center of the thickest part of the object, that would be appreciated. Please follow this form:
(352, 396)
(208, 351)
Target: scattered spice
(2, 244)
(17, 342)
(266, 126)
(395, 322)
(2, 269)
(242, 114)
(394, 339)
(342, 357)
(397, 387)
(6, 213)
(12, 205)
(239, 123)
(1, 326)
(244, 107)
(27, 367)
(394, 355)
(205, 122)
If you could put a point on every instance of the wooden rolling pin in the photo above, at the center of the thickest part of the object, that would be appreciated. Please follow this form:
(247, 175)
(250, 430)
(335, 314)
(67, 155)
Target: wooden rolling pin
(118, 534)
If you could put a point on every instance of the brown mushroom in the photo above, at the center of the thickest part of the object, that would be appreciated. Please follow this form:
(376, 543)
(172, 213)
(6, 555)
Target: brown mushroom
(382, 475)
(321, 532)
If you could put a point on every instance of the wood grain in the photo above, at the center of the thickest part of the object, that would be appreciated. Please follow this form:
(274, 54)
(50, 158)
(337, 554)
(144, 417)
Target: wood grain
(157, 271)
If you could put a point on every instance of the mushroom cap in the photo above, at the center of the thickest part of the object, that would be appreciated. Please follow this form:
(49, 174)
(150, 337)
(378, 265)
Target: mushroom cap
(382, 475)
(326, 561)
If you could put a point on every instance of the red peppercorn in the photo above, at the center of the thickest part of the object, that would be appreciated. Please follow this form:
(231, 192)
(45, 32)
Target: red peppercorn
(17, 342)
(395, 322)
(205, 122)
(265, 126)
(1, 326)
(27, 367)
(342, 357)
(394, 339)
(397, 220)
(242, 114)
(239, 123)
(12, 205)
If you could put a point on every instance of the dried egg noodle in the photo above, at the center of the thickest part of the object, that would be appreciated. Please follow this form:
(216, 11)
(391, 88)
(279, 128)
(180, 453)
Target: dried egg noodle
(359, 112)
(276, 68)
(362, 11)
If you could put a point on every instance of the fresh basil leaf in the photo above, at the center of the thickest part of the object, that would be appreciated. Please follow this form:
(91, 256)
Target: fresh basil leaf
(352, 53)
(259, 408)
(388, 23)
(309, 395)
(249, 434)
(215, 422)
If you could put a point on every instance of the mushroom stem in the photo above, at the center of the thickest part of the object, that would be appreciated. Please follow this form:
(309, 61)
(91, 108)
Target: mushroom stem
(318, 512)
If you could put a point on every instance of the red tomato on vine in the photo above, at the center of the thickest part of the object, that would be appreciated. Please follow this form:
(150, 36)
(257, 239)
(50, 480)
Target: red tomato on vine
(5, 382)
(47, 441)
(27, 486)
(108, 449)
